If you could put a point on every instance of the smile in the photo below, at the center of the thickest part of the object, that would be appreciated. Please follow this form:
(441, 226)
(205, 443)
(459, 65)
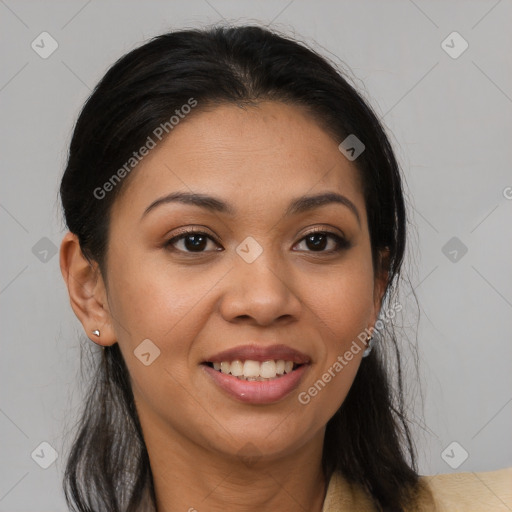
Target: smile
(251, 370)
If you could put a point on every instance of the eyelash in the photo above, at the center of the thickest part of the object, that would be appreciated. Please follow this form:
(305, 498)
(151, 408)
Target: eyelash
(342, 243)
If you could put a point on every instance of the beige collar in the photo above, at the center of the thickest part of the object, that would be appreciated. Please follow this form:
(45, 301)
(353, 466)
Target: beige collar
(468, 492)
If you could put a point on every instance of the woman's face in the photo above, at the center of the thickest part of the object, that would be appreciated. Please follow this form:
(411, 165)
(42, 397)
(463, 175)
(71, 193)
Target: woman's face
(256, 281)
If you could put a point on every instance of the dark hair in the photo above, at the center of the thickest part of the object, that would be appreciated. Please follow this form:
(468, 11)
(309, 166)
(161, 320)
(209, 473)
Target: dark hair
(368, 439)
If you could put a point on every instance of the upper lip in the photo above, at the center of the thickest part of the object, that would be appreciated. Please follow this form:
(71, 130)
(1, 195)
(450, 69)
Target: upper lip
(260, 353)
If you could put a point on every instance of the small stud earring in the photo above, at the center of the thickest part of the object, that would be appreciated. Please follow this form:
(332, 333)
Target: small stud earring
(369, 345)
(96, 333)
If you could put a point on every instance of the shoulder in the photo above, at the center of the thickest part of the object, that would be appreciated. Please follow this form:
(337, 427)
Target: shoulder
(342, 496)
(472, 492)
(452, 492)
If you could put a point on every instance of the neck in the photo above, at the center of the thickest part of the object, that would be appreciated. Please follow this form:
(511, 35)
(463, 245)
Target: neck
(188, 477)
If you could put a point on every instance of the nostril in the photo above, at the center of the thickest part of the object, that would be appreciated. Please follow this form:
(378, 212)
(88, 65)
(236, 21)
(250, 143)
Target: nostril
(243, 317)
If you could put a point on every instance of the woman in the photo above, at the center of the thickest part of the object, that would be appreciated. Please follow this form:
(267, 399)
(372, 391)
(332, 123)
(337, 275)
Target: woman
(236, 227)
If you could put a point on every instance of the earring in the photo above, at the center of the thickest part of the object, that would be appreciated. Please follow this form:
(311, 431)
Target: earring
(96, 332)
(369, 345)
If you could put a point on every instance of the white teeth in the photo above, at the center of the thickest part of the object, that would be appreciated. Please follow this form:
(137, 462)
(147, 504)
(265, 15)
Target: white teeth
(254, 370)
(268, 369)
(251, 368)
(237, 368)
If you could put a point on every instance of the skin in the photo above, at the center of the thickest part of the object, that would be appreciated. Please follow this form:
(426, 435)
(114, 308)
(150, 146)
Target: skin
(206, 448)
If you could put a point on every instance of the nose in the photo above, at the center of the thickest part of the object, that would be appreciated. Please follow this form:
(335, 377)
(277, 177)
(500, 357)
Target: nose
(259, 293)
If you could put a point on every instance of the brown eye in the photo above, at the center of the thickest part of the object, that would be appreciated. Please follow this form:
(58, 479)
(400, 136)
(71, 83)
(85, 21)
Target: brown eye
(191, 241)
(318, 241)
(195, 242)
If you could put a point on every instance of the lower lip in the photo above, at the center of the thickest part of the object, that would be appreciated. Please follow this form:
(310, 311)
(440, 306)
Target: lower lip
(257, 392)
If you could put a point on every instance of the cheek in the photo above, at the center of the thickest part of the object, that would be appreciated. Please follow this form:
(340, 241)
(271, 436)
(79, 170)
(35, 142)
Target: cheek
(341, 314)
(154, 301)
(344, 297)
(342, 309)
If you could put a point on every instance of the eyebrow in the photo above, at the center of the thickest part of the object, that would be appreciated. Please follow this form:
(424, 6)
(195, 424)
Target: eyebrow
(202, 200)
(213, 204)
(307, 203)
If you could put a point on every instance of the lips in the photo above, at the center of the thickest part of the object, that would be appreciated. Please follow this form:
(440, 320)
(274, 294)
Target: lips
(257, 390)
(260, 353)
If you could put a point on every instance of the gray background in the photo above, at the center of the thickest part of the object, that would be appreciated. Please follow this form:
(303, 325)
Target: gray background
(451, 124)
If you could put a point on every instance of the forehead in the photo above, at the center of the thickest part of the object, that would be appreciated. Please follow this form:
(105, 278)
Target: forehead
(253, 156)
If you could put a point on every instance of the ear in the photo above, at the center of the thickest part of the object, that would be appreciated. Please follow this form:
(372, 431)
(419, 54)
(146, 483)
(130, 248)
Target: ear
(380, 282)
(87, 291)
